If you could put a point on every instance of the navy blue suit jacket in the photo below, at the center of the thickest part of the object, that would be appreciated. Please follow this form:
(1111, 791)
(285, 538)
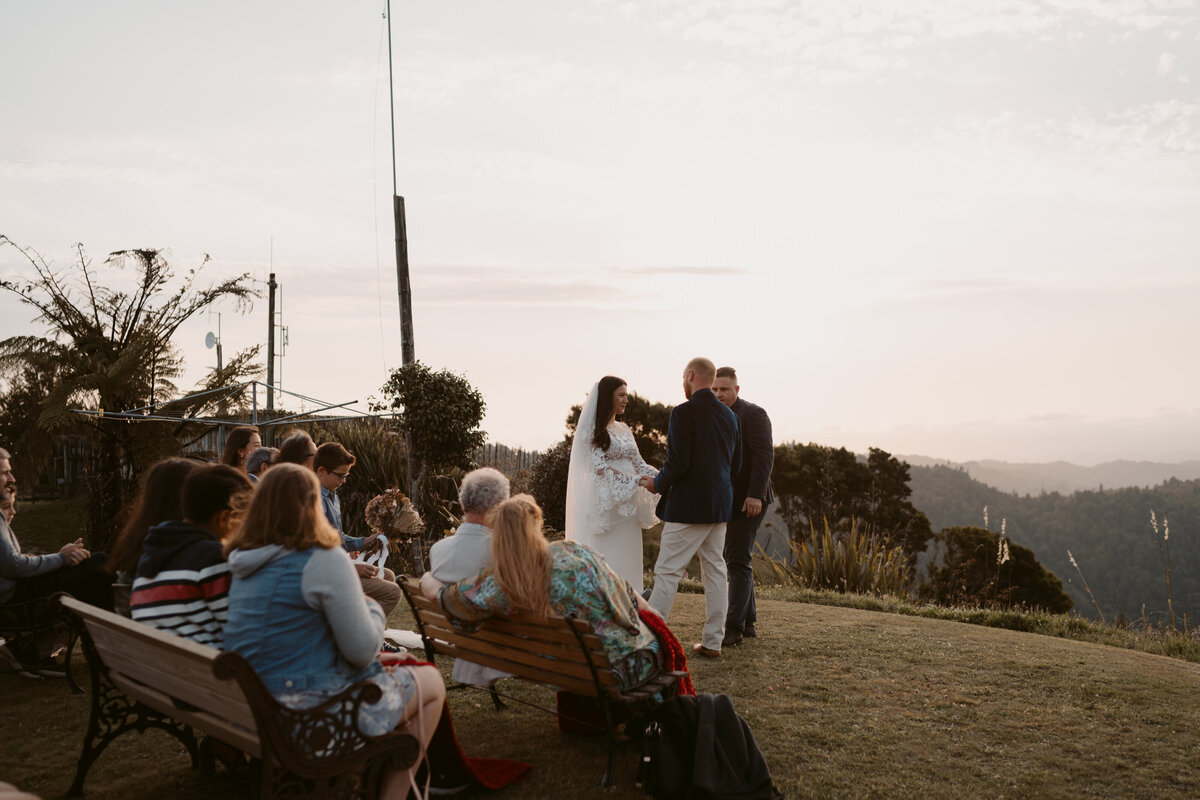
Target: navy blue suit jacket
(704, 449)
(758, 457)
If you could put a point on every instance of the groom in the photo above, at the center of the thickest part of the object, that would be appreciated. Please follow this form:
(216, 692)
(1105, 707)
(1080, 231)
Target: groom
(703, 452)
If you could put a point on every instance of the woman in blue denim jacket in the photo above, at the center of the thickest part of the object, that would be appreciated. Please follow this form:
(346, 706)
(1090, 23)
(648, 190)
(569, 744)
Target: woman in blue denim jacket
(297, 613)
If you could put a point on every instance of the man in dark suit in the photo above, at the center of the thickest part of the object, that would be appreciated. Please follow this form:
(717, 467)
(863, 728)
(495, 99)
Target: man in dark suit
(696, 484)
(751, 496)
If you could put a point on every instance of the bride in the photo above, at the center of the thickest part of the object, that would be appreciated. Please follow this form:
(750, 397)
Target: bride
(606, 509)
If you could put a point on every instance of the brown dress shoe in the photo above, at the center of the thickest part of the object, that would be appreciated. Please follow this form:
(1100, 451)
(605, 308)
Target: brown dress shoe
(701, 650)
(732, 638)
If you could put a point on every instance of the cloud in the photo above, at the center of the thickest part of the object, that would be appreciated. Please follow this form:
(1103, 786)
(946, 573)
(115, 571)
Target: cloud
(945, 287)
(497, 285)
(682, 270)
(1166, 63)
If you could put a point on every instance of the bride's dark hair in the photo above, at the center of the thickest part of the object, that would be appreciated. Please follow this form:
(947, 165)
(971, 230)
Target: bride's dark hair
(604, 409)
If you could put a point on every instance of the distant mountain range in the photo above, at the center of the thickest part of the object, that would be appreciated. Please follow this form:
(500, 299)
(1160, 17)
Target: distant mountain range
(1062, 476)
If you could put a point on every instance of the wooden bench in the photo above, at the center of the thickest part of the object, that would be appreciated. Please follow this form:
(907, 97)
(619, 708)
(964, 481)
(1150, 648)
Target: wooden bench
(144, 678)
(557, 652)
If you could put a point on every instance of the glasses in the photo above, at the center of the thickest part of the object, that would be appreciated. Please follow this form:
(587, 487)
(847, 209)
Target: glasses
(341, 476)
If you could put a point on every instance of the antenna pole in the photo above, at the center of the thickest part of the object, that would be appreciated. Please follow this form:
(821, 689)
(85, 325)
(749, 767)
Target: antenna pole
(403, 286)
(271, 286)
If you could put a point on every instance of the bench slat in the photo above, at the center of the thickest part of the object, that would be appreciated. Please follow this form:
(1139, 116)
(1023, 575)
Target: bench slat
(496, 635)
(218, 726)
(553, 630)
(484, 652)
(547, 676)
(186, 676)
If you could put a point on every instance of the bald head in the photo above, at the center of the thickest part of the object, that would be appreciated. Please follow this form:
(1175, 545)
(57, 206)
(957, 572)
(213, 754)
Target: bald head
(698, 374)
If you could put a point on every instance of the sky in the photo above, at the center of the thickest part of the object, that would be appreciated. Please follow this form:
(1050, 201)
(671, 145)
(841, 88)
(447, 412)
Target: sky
(964, 228)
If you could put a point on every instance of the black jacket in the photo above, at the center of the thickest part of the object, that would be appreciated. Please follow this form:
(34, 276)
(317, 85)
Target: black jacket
(704, 449)
(758, 457)
(177, 545)
(705, 751)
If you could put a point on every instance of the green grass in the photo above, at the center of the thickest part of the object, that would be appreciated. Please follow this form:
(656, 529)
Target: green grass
(845, 703)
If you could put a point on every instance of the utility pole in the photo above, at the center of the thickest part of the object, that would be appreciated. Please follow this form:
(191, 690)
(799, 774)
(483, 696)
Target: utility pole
(271, 285)
(403, 286)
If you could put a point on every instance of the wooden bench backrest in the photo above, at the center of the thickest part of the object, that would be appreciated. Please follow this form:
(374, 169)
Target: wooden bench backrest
(541, 649)
(169, 673)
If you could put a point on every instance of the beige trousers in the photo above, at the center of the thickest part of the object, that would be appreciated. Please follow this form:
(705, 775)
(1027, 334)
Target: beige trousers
(384, 589)
(681, 541)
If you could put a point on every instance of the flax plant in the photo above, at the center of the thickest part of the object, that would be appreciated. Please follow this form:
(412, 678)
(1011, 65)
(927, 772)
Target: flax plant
(852, 562)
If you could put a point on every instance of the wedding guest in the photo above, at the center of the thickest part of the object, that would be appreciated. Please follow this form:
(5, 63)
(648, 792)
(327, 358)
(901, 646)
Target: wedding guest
(332, 465)
(703, 452)
(157, 502)
(297, 448)
(469, 550)
(530, 574)
(242, 441)
(182, 582)
(297, 615)
(8, 503)
(259, 462)
(751, 496)
(25, 578)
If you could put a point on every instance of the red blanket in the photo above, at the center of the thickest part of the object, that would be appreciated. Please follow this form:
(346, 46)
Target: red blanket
(452, 767)
(673, 659)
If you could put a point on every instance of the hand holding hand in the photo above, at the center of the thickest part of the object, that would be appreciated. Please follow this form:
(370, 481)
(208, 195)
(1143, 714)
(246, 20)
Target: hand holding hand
(365, 570)
(74, 552)
(753, 506)
(647, 483)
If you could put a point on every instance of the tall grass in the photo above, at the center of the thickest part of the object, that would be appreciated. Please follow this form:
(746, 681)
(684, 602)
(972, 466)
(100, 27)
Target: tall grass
(849, 562)
(1164, 555)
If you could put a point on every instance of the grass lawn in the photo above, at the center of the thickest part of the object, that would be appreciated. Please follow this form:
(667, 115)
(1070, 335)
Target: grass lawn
(846, 703)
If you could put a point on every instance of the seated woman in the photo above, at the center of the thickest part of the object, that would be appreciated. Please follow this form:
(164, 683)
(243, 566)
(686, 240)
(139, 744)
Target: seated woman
(531, 574)
(158, 502)
(298, 615)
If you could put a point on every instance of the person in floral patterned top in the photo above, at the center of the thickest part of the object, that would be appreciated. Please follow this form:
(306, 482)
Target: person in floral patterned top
(564, 578)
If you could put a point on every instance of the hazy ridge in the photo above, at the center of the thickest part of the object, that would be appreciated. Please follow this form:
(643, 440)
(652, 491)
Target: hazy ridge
(1063, 476)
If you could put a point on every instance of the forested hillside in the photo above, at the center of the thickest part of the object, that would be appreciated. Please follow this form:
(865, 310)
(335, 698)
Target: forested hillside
(1107, 531)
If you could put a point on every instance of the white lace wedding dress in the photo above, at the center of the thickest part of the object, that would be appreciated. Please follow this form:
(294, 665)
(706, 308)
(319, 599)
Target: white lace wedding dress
(606, 509)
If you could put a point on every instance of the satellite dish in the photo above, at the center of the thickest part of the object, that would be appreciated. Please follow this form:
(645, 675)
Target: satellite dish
(210, 341)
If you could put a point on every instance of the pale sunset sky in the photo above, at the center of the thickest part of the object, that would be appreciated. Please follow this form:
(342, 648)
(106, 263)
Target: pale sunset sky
(960, 228)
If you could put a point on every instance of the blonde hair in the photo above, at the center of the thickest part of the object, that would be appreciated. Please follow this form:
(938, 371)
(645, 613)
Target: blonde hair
(704, 369)
(521, 554)
(286, 510)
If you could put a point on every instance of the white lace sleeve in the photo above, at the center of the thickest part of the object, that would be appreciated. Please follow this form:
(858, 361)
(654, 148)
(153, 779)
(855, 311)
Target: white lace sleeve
(614, 488)
(641, 467)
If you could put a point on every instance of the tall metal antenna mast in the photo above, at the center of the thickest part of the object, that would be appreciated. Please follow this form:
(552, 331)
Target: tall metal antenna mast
(407, 348)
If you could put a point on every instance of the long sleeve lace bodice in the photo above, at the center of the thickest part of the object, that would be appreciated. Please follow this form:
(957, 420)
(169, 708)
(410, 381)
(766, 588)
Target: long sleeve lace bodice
(617, 471)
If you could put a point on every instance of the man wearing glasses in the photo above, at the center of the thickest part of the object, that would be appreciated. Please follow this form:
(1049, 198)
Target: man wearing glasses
(332, 465)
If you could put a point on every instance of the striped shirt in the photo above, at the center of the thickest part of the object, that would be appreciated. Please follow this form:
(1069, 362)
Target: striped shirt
(185, 602)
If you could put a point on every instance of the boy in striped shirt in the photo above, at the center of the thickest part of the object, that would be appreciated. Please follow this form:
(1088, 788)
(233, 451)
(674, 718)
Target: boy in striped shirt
(182, 580)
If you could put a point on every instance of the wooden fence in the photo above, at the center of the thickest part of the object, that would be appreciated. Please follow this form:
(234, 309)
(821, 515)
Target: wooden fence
(508, 460)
